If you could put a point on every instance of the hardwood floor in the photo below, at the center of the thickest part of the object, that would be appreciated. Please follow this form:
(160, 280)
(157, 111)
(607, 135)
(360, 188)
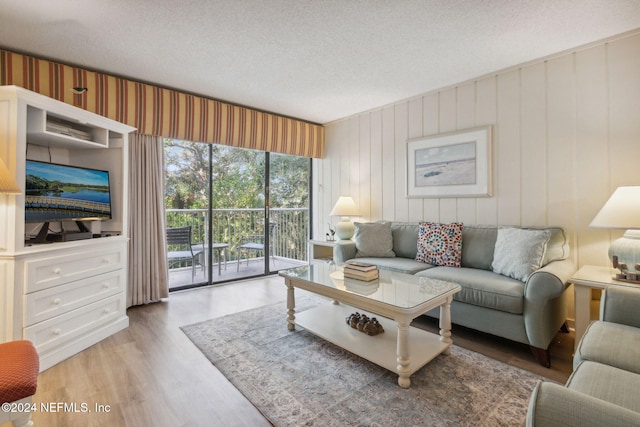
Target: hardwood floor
(150, 374)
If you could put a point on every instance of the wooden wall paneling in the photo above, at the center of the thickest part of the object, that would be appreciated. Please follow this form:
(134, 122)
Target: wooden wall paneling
(431, 126)
(365, 175)
(448, 123)
(414, 130)
(389, 171)
(509, 151)
(623, 69)
(561, 163)
(354, 187)
(623, 59)
(400, 141)
(317, 198)
(330, 169)
(377, 176)
(466, 207)
(592, 150)
(340, 154)
(533, 168)
(486, 114)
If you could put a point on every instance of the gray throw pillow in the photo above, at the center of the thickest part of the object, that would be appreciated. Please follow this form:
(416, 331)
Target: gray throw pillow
(519, 252)
(374, 239)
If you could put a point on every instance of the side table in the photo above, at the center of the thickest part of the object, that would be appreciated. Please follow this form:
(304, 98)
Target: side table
(584, 280)
(321, 250)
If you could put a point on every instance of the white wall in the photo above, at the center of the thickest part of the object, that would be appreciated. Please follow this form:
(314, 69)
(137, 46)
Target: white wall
(566, 134)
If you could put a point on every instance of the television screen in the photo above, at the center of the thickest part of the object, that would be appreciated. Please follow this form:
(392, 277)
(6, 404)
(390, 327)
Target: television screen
(56, 192)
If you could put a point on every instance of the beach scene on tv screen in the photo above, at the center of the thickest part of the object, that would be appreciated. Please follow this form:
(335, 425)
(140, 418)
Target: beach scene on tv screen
(57, 192)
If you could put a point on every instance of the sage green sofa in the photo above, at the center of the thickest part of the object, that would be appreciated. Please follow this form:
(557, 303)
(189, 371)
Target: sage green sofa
(529, 312)
(604, 388)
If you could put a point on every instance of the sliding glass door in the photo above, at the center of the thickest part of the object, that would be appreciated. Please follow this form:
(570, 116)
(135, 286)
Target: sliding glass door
(248, 211)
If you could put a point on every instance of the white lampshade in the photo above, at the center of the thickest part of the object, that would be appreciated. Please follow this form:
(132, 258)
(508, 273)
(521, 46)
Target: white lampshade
(622, 211)
(8, 184)
(345, 207)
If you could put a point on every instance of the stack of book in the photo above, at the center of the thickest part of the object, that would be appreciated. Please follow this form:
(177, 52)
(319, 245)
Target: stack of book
(360, 271)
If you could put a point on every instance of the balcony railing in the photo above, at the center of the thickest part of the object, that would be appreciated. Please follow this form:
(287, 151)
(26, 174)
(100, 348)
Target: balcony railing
(233, 226)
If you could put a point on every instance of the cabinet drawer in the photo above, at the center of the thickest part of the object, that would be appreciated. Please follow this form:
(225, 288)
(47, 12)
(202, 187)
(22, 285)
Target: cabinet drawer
(52, 271)
(48, 303)
(57, 331)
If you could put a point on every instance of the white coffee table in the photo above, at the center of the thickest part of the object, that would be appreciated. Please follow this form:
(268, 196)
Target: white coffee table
(395, 299)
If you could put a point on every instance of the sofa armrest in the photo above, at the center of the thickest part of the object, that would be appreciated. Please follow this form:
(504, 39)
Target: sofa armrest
(554, 405)
(550, 281)
(620, 305)
(344, 250)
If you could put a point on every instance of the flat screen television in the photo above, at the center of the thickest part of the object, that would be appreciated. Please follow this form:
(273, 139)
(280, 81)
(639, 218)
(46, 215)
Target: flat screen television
(56, 193)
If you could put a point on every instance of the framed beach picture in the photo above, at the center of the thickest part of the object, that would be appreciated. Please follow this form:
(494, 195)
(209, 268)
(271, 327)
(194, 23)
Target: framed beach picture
(455, 164)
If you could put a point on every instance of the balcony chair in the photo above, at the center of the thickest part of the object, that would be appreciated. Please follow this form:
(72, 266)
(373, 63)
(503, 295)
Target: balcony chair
(255, 244)
(181, 249)
(19, 366)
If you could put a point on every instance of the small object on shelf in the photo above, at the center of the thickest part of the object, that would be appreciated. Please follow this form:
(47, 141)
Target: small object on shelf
(331, 234)
(373, 327)
(353, 320)
(363, 323)
(364, 319)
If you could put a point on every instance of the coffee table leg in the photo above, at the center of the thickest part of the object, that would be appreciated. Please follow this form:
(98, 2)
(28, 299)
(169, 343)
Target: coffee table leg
(445, 324)
(291, 305)
(403, 353)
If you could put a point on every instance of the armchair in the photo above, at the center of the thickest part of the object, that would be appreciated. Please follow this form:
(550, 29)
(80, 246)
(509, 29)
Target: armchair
(602, 390)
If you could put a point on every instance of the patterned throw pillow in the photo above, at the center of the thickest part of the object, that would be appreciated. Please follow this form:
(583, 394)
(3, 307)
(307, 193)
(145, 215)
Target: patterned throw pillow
(440, 244)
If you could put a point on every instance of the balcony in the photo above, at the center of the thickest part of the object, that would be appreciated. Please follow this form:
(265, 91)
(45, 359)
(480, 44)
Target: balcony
(288, 242)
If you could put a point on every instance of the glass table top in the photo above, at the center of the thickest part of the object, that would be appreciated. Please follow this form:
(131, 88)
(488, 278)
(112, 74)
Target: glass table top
(397, 289)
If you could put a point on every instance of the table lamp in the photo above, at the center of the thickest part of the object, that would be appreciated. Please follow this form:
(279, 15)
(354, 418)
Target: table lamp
(345, 207)
(8, 183)
(622, 211)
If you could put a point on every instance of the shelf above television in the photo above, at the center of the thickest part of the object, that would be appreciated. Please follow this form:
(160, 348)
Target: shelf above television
(47, 129)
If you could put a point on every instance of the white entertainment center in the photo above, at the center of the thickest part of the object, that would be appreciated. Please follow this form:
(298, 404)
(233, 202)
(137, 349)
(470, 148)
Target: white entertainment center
(63, 296)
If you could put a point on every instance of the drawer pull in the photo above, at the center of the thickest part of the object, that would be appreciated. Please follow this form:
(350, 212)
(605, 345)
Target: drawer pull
(57, 271)
(105, 285)
(56, 331)
(106, 260)
(56, 301)
(106, 311)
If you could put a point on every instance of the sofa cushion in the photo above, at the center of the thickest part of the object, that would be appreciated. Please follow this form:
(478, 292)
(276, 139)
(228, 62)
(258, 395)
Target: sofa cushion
(401, 265)
(519, 252)
(405, 239)
(478, 243)
(558, 246)
(374, 239)
(613, 344)
(483, 288)
(440, 244)
(608, 383)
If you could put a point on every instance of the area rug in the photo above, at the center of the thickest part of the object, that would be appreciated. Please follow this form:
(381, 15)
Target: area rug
(297, 379)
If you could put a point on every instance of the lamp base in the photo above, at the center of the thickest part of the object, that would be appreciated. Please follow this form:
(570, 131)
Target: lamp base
(627, 251)
(345, 228)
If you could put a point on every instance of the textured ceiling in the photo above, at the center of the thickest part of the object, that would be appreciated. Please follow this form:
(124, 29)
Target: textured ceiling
(319, 60)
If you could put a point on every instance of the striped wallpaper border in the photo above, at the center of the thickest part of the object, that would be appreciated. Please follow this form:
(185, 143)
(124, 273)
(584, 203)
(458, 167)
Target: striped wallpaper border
(153, 110)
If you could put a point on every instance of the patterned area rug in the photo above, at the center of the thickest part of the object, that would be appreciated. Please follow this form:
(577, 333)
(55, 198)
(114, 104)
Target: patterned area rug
(297, 379)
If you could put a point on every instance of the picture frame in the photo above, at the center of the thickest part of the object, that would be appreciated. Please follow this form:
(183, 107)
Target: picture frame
(453, 164)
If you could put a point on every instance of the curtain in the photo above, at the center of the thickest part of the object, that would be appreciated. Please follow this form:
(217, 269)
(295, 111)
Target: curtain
(148, 269)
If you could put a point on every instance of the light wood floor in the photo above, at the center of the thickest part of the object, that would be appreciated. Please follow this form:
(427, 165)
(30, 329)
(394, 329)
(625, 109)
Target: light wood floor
(151, 374)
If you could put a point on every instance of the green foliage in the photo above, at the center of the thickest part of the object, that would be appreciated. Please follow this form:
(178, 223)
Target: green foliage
(238, 177)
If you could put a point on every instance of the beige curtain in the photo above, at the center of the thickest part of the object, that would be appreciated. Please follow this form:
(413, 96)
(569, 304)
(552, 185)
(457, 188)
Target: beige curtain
(148, 270)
